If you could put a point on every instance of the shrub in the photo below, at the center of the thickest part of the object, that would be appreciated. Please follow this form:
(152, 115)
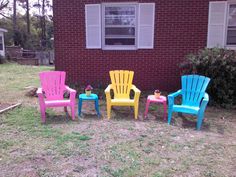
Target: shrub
(219, 65)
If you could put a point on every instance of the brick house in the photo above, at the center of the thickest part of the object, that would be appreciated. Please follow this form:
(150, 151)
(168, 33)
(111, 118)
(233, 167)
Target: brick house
(150, 37)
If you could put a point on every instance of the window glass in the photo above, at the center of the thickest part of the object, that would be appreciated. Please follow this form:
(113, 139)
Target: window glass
(119, 25)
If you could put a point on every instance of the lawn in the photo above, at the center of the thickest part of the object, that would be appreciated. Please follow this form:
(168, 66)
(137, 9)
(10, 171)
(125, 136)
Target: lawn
(121, 147)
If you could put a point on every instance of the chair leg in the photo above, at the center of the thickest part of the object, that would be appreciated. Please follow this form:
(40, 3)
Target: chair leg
(43, 114)
(199, 120)
(97, 107)
(146, 109)
(80, 107)
(108, 111)
(136, 111)
(165, 110)
(169, 116)
(73, 111)
(65, 109)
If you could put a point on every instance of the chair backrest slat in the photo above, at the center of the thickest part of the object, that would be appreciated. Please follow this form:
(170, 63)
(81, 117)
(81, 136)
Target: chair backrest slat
(121, 81)
(193, 89)
(53, 84)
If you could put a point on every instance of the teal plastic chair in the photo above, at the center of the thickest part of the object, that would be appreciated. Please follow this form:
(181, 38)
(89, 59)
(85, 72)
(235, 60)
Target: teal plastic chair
(194, 97)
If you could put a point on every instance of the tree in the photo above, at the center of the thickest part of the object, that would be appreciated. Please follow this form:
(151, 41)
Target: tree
(30, 31)
(25, 5)
(14, 23)
(43, 6)
(3, 4)
(27, 16)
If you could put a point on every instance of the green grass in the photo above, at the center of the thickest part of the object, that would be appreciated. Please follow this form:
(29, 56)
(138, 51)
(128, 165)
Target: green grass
(27, 120)
(5, 144)
(118, 148)
(14, 78)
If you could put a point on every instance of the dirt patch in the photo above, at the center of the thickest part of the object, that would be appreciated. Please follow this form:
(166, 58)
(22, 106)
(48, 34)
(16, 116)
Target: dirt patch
(31, 91)
(121, 146)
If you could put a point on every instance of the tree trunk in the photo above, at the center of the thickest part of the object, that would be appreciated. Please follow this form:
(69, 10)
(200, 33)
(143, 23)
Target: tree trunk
(14, 22)
(43, 26)
(27, 17)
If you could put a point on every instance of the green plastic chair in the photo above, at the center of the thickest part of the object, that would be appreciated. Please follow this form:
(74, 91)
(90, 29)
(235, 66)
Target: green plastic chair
(194, 97)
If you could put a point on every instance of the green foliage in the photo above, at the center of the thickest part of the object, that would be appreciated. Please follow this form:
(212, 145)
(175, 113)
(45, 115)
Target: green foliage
(28, 41)
(219, 65)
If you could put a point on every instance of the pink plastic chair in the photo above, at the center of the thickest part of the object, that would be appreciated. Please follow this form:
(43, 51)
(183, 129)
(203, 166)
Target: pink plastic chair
(51, 92)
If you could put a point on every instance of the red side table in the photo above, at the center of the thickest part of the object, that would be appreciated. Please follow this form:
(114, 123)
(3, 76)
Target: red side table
(152, 99)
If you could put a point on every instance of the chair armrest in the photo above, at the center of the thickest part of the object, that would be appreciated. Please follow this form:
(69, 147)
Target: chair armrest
(175, 94)
(137, 92)
(171, 97)
(206, 97)
(40, 95)
(108, 89)
(107, 92)
(204, 102)
(39, 91)
(71, 91)
(135, 89)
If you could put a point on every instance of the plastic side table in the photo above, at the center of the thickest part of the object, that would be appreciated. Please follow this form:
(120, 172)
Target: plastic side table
(152, 99)
(84, 97)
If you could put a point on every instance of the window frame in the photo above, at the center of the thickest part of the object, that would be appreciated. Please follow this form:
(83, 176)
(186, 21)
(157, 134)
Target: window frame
(103, 26)
(1, 41)
(233, 2)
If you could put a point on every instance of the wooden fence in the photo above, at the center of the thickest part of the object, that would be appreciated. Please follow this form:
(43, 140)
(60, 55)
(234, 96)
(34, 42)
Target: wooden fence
(28, 57)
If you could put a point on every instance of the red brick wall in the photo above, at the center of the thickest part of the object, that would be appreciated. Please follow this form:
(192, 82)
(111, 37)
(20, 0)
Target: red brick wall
(180, 28)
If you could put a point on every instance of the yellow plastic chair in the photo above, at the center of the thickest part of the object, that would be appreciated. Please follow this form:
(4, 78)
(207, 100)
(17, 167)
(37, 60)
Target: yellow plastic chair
(121, 84)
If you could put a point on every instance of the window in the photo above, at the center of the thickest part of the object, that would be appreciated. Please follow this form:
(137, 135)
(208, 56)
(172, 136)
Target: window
(222, 24)
(119, 26)
(1, 43)
(231, 29)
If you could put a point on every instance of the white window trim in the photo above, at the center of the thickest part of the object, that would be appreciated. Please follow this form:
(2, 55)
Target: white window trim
(233, 47)
(2, 40)
(121, 47)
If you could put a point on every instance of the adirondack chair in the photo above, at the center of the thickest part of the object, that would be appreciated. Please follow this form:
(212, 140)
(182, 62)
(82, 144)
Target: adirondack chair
(51, 92)
(121, 84)
(194, 97)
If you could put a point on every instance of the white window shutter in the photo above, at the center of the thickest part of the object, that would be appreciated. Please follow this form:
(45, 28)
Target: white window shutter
(93, 26)
(217, 24)
(146, 22)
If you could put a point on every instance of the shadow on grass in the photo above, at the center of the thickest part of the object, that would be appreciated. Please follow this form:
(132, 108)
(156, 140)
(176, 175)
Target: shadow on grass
(190, 122)
(91, 116)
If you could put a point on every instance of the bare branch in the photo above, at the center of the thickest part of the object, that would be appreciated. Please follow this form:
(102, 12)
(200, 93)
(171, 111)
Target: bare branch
(5, 16)
(3, 4)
